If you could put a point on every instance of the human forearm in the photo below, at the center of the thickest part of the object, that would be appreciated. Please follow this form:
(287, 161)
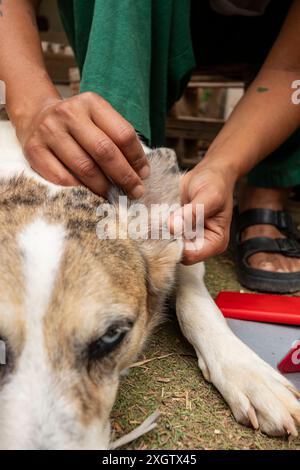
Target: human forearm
(79, 140)
(263, 119)
(259, 124)
(22, 68)
(266, 115)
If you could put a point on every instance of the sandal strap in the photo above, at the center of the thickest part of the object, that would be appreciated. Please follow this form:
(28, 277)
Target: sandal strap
(285, 246)
(280, 219)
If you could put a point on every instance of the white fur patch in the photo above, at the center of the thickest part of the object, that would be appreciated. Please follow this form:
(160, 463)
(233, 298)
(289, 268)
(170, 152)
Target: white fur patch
(27, 417)
(41, 245)
(12, 159)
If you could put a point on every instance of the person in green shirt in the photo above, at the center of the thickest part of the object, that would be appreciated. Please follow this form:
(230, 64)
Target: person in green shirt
(135, 59)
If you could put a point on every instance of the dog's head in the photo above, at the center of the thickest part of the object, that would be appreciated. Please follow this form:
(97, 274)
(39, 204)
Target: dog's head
(75, 310)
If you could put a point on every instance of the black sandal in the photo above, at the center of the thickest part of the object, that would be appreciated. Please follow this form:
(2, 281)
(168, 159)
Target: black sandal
(258, 279)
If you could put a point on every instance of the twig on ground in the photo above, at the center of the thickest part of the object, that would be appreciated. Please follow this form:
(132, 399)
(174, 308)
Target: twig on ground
(157, 358)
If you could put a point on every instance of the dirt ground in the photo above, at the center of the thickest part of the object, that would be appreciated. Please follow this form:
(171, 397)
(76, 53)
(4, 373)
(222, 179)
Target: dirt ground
(193, 414)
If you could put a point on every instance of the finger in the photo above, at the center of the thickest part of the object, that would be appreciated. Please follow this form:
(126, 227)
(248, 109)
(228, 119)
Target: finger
(190, 256)
(79, 162)
(108, 157)
(210, 225)
(212, 202)
(203, 206)
(196, 189)
(211, 247)
(188, 222)
(121, 133)
(212, 240)
(190, 227)
(49, 167)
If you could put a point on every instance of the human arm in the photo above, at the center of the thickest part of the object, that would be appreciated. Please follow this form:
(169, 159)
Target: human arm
(262, 120)
(78, 140)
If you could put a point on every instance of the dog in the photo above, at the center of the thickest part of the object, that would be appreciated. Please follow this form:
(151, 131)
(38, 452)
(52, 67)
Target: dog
(76, 310)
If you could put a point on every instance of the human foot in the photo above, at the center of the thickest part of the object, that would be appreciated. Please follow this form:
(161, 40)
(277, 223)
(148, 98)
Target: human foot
(274, 199)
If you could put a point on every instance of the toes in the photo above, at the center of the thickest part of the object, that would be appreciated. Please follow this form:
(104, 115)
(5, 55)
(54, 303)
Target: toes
(253, 418)
(278, 411)
(291, 428)
(243, 411)
(267, 403)
(275, 430)
(257, 394)
(293, 390)
(296, 417)
(267, 266)
(281, 379)
(262, 261)
(266, 261)
(274, 263)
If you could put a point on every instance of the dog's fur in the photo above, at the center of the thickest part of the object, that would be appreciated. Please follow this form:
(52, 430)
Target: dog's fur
(62, 289)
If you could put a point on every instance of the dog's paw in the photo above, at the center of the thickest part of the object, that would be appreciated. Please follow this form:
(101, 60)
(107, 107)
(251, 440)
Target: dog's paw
(257, 395)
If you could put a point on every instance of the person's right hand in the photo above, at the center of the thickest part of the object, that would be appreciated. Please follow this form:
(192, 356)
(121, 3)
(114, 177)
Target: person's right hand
(211, 186)
(83, 140)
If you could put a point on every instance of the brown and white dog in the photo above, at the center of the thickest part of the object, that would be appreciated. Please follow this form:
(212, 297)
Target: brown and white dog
(76, 310)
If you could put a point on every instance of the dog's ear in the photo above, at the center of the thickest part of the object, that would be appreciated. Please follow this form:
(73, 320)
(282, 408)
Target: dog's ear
(162, 186)
(160, 250)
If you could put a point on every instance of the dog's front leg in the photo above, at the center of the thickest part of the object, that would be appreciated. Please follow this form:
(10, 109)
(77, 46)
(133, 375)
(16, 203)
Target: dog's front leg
(256, 393)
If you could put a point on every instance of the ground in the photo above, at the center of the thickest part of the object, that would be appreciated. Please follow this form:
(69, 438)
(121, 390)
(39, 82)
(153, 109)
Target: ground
(193, 414)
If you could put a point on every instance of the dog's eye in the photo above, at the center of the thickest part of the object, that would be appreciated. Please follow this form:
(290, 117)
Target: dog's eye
(108, 342)
(112, 336)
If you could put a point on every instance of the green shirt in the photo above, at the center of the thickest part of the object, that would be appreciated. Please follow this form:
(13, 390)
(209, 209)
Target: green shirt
(137, 54)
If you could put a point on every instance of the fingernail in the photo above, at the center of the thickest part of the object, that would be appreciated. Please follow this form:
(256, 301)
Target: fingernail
(144, 172)
(137, 192)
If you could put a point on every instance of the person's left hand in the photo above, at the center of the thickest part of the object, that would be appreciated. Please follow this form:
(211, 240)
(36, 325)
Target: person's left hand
(213, 187)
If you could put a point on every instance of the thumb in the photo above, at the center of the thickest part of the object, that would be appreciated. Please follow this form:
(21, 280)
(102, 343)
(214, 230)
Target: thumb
(188, 222)
(205, 204)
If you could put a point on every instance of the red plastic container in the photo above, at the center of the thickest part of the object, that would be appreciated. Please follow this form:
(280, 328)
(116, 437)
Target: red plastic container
(260, 307)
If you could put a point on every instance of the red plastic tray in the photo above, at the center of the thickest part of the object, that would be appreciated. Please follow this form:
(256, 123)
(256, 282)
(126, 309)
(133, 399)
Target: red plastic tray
(260, 307)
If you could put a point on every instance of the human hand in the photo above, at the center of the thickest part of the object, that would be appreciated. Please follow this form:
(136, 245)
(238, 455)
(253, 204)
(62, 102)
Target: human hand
(83, 140)
(213, 187)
